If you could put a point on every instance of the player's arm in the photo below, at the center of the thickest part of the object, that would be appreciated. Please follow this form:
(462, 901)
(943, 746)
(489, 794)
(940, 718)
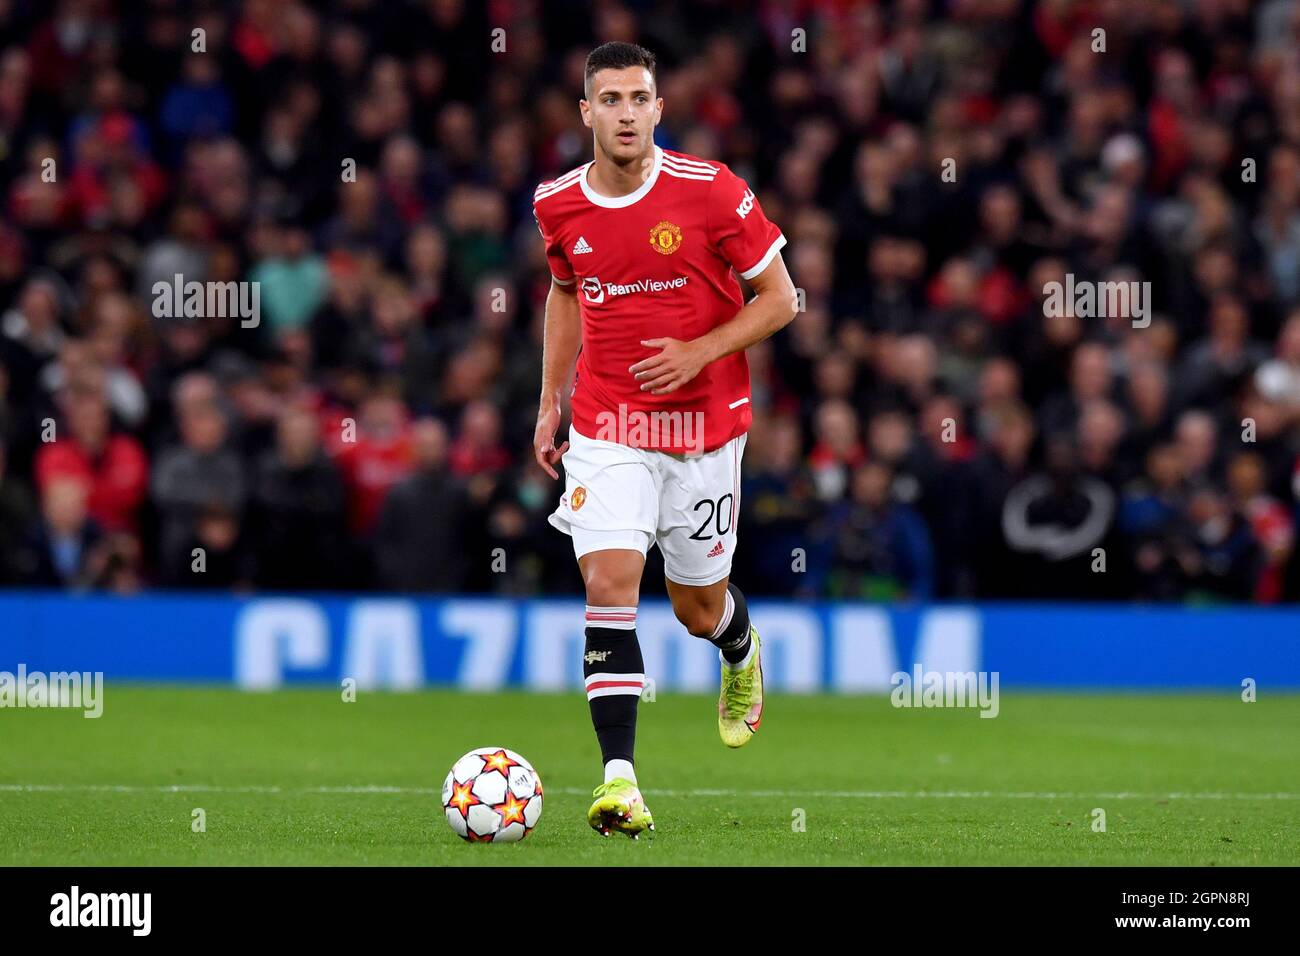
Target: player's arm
(771, 309)
(561, 339)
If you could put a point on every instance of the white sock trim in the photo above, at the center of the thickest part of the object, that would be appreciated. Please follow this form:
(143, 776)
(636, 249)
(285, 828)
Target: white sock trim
(740, 665)
(616, 618)
(619, 768)
(728, 610)
(608, 685)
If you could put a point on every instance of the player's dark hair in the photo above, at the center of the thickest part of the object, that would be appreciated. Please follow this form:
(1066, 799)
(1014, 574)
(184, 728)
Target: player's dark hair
(616, 55)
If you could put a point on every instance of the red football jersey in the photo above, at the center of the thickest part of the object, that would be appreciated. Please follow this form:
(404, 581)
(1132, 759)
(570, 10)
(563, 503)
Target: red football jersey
(656, 263)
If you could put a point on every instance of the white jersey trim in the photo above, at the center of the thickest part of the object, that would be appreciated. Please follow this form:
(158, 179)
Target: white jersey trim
(620, 202)
(683, 170)
(691, 163)
(557, 185)
(676, 174)
(762, 263)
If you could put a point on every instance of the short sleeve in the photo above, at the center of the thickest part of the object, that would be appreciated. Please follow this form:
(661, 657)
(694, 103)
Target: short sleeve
(737, 226)
(561, 271)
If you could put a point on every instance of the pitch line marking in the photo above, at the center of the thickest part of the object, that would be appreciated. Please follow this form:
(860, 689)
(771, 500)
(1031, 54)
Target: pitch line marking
(577, 791)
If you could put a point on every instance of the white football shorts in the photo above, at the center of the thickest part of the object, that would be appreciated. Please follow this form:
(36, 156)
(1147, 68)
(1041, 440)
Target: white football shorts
(617, 496)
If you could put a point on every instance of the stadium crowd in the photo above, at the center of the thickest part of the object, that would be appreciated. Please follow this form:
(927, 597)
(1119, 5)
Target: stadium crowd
(925, 428)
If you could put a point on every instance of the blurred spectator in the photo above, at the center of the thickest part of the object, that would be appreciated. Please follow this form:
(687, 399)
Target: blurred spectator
(421, 539)
(65, 537)
(478, 449)
(1152, 516)
(997, 568)
(112, 465)
(291, 277)
(1198, 445)
(200, 479)
(395, 344)
(1225, 558)
(374, 454)
(198, 104)
(1061, 516)
(219, 557)
(1270, 523)
(780, 508)
(30, 334)
(181, 250)
(1219, 363)
(838, 449)
(882, 549)
(17, 557)
(297, 514)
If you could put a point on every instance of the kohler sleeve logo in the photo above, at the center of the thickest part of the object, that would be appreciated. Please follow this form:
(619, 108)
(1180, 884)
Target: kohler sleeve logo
(746, 204)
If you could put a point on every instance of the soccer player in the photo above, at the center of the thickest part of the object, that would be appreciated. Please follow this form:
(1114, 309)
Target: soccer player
(642, 242)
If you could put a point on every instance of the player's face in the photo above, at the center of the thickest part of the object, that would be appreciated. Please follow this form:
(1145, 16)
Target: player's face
(623, 112)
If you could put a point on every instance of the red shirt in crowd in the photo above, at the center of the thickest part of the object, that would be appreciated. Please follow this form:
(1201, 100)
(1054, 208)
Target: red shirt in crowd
(370, 467)
(118, 477)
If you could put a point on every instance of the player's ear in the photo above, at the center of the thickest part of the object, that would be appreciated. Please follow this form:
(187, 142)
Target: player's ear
(585, 109)
(659, 110)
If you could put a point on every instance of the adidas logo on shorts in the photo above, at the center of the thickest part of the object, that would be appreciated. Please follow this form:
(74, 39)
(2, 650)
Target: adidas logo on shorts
(716, 550)
(581, 246)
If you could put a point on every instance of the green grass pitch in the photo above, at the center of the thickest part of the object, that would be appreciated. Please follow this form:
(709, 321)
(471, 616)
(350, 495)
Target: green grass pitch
(302, 777)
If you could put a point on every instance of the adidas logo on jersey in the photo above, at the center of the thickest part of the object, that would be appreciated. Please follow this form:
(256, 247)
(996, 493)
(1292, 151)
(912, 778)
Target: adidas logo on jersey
(581, 246)
(716, 550)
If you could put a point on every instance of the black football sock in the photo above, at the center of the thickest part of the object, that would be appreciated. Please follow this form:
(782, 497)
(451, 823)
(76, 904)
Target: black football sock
(615, 676)
(732, 633)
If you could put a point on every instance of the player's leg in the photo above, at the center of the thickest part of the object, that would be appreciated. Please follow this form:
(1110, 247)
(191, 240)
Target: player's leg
(698, 537)
(610, 509)
(718, 613)
(614, 673)
(611, 661)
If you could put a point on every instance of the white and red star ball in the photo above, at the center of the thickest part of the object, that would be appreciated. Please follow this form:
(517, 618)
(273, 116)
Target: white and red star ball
(492, 795)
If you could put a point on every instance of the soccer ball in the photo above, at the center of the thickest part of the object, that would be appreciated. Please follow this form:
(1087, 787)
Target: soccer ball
(492, 795)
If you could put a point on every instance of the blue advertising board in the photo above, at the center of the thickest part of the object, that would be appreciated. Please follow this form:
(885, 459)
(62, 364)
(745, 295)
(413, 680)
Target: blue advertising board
(402, 642)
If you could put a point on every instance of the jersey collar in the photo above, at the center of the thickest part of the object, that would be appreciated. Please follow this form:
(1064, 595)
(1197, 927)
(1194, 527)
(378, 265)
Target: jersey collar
(618, 202)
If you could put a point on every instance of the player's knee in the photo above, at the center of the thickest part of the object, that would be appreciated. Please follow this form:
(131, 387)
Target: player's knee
(606, 589)
(699, 619)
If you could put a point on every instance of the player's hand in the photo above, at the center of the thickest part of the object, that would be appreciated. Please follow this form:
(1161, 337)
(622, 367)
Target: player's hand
(673, 367)
(548, 420)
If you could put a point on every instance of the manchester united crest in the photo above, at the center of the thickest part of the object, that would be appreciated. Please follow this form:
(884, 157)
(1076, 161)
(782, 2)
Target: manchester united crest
(666, 238)
(578, 497)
